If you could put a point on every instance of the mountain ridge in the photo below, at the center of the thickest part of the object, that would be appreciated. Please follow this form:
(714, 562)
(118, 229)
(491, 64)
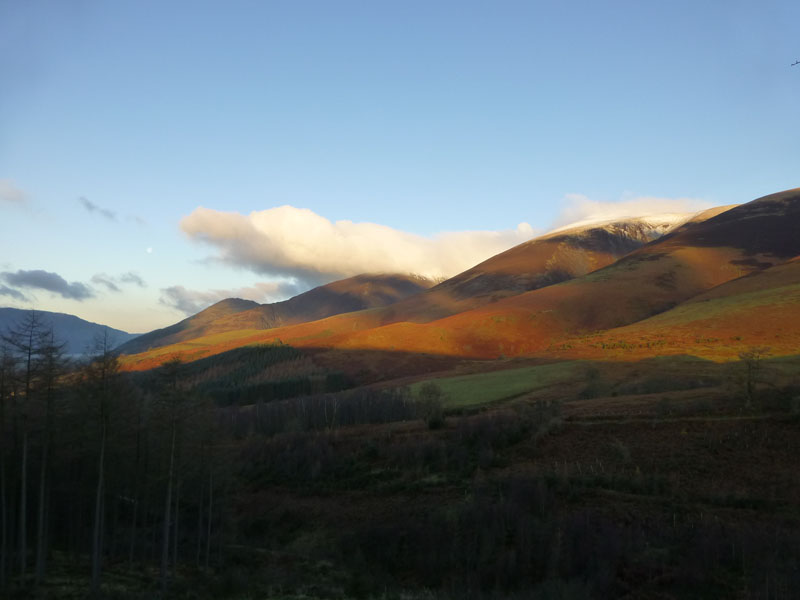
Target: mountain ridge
(78, 334)
(346, 295)
(709, 249)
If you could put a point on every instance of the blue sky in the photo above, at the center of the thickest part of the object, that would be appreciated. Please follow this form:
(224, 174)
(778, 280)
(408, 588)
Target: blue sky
(119, 120)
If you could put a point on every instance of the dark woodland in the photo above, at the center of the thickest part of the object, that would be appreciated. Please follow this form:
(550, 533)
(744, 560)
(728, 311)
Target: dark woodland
(257, 473)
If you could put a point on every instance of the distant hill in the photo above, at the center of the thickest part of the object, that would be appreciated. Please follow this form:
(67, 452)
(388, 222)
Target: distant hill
(79, 335)
(347, 295)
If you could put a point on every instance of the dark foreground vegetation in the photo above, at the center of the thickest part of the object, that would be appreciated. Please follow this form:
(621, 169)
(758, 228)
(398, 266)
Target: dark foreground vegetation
(257, 475)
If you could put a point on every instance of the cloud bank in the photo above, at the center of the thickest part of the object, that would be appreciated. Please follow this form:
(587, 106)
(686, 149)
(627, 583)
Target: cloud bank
(45, 280)
(581, 210)
(298, 243)
(191, 302)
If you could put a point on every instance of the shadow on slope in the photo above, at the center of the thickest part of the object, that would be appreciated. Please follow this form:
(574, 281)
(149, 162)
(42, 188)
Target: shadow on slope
(347, 295)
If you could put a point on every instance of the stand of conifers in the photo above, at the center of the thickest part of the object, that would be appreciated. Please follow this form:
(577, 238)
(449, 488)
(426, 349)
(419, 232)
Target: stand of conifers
(97, 471)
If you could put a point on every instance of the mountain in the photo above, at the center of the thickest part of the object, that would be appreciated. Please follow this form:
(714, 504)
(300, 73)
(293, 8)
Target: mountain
(549, 259)
(347, 295)
(754, 311)
(552, 258)
(738, 245)
(544, 261)
(558, 256)
(79, 335)
(691, 259)
(194, 326)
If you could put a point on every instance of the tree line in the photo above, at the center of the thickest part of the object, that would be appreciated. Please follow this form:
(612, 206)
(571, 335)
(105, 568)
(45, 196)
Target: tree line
(95, 470)
(102, 469)
(162, 479)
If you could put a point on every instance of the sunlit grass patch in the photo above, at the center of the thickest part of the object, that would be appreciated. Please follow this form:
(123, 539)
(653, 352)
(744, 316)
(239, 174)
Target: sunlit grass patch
(482, 388)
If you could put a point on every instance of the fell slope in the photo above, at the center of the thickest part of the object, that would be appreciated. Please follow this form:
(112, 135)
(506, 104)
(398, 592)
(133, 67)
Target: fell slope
(693, 259)
(347, 295)
(194, 326)
(759, 310)
(490, 299)
(543, 261)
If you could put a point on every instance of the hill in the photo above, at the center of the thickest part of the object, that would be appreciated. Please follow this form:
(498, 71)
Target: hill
(707, 251)
(79, 335)
(347, 295)
(692, 259)
(194, 326)
(755, 311)
(543, 261)
(552, 258)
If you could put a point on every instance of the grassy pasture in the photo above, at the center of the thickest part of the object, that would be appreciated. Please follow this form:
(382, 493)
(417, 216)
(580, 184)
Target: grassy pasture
(467, 391)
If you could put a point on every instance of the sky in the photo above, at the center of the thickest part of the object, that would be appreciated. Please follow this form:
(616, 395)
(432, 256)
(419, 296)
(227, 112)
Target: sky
(156, 157)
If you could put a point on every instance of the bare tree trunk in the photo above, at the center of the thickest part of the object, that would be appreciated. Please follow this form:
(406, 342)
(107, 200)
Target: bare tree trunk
(210, 514)
(177, 518)
(167, 507)
(199, 527)
(41, 545)
(51, 364)
(4, 373)
(137, 476)
(97, 537)
(3, 488)
(23, 517)
(132, 549)
(3, 512)
(112, 532)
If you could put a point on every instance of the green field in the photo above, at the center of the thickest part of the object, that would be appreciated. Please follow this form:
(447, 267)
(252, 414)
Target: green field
(466, 391)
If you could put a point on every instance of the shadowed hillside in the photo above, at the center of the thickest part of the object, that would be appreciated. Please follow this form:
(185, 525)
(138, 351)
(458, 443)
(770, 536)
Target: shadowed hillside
(347, 295)
(78, 335)
(193, 326)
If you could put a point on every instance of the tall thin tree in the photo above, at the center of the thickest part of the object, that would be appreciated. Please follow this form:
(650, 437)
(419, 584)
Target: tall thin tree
(52, 365)
(171, 396)
(102, 373)
(25, 339)
(6, 378)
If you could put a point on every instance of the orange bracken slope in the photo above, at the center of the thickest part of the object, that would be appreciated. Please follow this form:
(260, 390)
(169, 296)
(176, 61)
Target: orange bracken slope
(759, 310)
(343, 296)
(692, 260)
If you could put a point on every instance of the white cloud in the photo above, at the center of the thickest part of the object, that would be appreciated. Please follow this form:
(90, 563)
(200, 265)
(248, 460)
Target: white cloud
(294, 242)
(11, 193)
(580, 210)
(192, 302)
